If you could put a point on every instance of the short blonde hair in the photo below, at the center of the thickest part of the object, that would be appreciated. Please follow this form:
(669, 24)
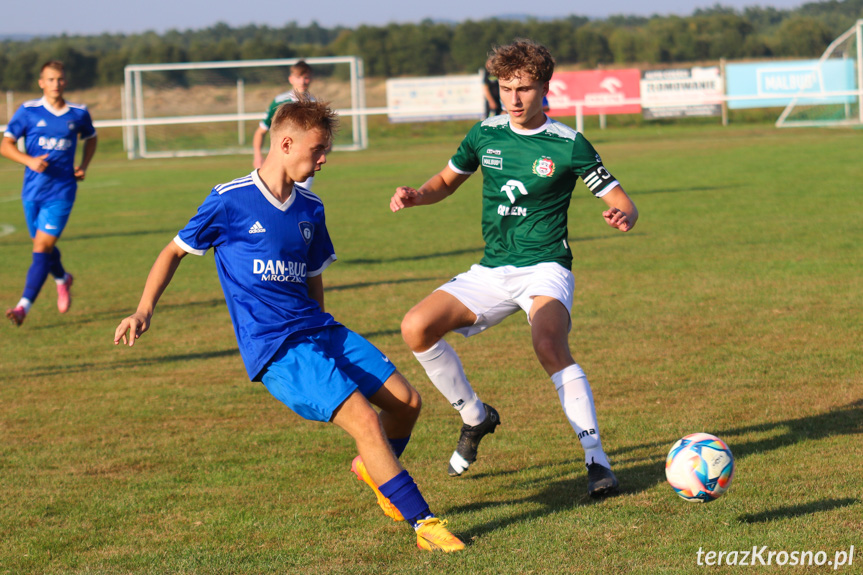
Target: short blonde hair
(306, 114)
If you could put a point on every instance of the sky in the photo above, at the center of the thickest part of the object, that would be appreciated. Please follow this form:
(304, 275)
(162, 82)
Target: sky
(87, 17)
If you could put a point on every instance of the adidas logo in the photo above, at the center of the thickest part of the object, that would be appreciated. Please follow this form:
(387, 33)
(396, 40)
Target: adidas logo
(257, 228)
(41, 124)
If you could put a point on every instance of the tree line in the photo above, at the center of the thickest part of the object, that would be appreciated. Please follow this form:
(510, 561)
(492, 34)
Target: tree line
(434, 48)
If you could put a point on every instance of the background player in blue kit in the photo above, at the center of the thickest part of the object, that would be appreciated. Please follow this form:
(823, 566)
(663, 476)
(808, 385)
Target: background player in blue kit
(51, 128)
(271, 246)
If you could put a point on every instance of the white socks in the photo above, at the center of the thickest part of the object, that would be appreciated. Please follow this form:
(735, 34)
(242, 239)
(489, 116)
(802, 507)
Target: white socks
(25, 303)
(577, 401)
(445, 371)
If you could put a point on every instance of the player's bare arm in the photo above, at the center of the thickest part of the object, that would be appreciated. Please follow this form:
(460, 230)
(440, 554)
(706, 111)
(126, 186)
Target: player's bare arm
(439, 187)
(9, 149)
(621, 213)
(87, 156)
(257, 146)
(132, 327)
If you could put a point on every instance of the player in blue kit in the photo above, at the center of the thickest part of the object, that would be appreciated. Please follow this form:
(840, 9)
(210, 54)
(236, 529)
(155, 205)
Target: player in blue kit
(271, 246)
(51, 127)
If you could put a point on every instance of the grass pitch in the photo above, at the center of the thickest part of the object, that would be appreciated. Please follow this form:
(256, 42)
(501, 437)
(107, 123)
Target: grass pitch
(733, 307)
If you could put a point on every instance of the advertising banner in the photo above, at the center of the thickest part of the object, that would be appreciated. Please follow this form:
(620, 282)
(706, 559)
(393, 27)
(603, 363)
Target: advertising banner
(774, 84)
(599, 91)
(681, 93)
(435, 98)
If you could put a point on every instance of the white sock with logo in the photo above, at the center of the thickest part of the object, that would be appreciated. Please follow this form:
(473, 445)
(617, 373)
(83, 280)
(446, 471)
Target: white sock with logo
(577, 401)
(445, 371)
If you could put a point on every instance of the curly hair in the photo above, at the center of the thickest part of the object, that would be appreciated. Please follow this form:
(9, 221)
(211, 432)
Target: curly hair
(521, 57)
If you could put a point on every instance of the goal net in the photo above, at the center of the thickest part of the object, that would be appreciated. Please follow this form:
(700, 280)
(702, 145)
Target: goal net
(209, 108)
(833, 92)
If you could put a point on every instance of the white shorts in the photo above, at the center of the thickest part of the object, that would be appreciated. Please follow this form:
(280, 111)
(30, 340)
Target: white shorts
(494, 294)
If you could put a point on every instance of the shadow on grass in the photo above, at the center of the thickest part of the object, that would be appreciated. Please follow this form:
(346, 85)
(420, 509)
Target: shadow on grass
(414, 257)
(119, 314)
(643, 473)
(797, 510)
(556, 495)
(679, 190)
(379, 283)
(473, 250)
(68, 238)
(119, 234)
(137, 362)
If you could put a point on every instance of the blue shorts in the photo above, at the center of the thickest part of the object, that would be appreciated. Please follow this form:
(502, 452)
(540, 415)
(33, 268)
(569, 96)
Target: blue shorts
(314, 373)
(50, 217)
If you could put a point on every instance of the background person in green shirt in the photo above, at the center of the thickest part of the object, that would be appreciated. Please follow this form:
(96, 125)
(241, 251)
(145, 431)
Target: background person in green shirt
(530, 165)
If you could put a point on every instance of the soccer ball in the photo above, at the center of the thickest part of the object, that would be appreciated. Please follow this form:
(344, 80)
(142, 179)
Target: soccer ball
(699, 467)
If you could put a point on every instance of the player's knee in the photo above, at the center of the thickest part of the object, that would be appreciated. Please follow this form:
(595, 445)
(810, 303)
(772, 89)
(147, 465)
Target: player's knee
(414, 404)
(415, 331)
(552, 355)
(368, 423)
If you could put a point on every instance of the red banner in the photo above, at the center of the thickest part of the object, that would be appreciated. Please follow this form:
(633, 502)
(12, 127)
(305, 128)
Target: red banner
(599, 91)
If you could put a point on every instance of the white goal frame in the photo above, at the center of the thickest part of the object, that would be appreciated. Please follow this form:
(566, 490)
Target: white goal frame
(784, 122)
(135, 121)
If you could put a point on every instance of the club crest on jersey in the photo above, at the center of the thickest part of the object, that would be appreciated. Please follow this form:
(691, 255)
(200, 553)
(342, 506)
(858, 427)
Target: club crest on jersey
(308, 231)
(543, 167)
(71, 126)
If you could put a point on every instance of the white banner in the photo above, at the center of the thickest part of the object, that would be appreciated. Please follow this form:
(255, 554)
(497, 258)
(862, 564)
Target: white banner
(436, 98)
(684, 92)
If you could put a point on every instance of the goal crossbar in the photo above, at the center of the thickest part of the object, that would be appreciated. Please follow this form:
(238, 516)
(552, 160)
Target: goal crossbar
(136, 118)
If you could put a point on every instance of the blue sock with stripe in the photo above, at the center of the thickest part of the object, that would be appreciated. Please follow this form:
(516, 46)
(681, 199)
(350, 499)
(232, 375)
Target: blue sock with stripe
(402, 491)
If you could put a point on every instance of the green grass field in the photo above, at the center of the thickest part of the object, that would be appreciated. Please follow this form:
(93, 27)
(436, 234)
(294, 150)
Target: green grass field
(734, 307)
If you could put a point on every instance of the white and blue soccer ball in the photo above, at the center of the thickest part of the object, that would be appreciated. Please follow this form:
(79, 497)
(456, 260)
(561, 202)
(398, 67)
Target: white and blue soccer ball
(699, 467)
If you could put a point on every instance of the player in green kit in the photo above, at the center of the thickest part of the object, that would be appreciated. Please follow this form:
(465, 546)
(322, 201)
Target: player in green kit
(530, 165)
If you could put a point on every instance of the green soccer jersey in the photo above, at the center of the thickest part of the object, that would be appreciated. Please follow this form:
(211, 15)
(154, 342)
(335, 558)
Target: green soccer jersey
(528, 178)
(290, 96)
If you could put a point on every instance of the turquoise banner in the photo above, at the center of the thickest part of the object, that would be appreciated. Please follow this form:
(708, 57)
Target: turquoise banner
(775, 84)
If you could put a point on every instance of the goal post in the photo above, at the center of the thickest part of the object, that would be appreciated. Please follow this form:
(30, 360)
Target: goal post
(834, 95)
(210, 108)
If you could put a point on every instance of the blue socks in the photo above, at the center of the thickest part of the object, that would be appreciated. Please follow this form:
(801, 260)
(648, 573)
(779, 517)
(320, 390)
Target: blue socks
(399, 445)
(37, 274)
(403, 492)
(57, 270)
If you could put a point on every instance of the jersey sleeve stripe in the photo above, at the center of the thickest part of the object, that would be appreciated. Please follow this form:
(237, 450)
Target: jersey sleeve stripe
(307, 194)
(187, 248)
(458, 170)
(606, 189)
(238, 183)
(321, 269)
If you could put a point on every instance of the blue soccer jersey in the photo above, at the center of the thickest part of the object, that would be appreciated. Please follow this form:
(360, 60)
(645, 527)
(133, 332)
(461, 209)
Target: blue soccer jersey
(264, 252)
(53, 132)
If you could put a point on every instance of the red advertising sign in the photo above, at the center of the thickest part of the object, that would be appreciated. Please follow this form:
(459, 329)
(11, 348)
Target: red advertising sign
(598, 91)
